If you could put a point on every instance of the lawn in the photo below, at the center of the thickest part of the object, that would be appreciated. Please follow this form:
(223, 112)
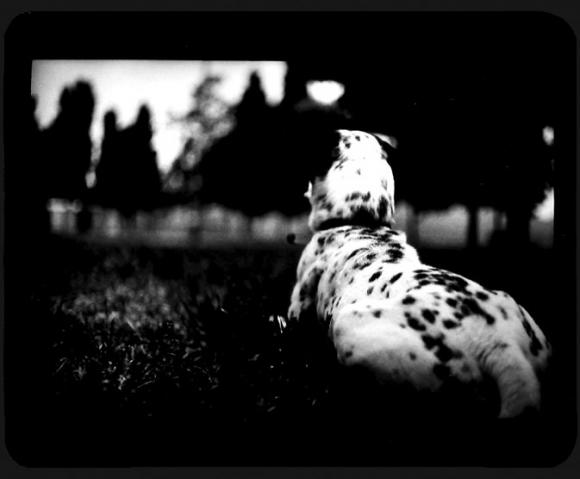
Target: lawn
(120, 355)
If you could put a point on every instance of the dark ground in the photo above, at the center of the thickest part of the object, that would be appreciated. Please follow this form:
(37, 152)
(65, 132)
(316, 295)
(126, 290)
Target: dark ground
(120, 355)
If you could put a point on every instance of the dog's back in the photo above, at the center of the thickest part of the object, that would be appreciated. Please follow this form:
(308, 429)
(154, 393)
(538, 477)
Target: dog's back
(406, 322)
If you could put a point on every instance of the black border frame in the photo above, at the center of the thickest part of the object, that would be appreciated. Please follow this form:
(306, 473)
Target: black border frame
(565, 232)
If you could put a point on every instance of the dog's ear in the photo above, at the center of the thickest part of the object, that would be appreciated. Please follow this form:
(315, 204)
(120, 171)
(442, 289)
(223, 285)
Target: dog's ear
(388, 143)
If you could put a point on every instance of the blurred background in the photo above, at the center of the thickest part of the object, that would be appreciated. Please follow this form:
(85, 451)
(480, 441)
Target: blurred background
(178, 152)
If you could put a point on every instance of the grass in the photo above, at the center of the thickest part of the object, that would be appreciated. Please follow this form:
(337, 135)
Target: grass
(128, 355)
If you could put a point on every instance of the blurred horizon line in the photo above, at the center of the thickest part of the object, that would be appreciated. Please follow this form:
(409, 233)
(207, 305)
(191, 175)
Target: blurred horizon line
(183, 225)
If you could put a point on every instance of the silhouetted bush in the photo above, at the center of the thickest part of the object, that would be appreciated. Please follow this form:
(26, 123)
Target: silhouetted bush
(66, 143)
(127, 176)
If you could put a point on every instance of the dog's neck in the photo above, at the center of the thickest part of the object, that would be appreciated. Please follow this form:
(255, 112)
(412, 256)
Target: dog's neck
(363, 200)
(363, 222)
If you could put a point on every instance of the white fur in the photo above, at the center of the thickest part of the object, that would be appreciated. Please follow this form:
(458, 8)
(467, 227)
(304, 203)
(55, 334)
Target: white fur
(358, 168)
(367, 318)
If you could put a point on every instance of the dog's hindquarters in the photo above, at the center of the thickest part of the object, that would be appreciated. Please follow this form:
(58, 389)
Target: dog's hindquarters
(377, 338)
(391, 353)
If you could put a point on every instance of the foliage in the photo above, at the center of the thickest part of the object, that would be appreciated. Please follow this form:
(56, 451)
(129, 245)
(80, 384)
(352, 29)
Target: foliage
(208, 119)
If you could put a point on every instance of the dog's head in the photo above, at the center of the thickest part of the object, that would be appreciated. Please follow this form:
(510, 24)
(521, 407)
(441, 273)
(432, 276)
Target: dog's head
(351, 181)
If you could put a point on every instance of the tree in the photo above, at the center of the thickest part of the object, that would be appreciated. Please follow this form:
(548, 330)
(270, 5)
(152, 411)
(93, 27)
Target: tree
(208, 119)
(294, 85)
(67, 143)
(145, 176)
(108, 189)
(128, 178)
(233, 168)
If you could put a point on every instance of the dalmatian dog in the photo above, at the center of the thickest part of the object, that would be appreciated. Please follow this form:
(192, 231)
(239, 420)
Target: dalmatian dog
(402, 321)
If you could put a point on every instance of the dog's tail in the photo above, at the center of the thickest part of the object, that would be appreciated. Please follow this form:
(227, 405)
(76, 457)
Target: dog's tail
(518, 385)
